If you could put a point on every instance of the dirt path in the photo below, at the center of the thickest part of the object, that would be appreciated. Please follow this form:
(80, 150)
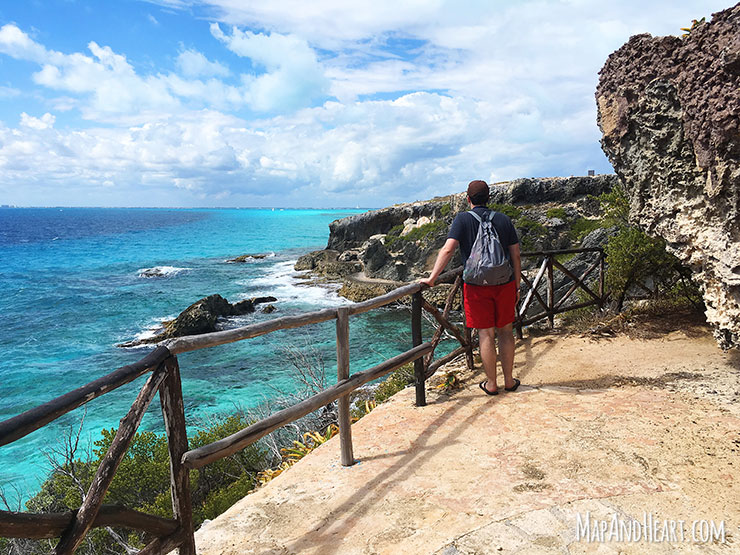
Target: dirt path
(642, 434)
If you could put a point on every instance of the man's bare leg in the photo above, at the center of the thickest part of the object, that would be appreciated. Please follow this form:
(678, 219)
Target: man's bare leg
(487, 342)
(506, 352)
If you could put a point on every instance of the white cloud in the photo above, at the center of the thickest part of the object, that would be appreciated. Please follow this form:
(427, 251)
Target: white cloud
(294, 76)
(44, 122)
(358, 102)
(373, 153)
(194, 64)
(9, 92)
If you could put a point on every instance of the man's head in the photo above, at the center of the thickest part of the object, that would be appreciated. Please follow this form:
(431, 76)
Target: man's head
(478, 192)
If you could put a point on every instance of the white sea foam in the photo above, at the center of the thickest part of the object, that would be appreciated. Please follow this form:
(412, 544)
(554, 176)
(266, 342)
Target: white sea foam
(152, 327)
(160, 271)
(281, 281)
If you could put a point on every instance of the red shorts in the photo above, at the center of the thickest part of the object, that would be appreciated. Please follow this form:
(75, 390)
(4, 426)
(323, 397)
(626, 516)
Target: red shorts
(489, 306)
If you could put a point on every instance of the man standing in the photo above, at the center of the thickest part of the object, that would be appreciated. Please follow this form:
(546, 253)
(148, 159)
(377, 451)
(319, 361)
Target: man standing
(491, 309)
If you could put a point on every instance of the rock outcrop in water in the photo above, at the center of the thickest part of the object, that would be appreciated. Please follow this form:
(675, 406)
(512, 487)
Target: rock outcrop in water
(669, 111)
(201, 316)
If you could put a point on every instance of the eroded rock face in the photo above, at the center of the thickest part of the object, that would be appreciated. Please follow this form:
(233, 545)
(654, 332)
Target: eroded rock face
(669, 112)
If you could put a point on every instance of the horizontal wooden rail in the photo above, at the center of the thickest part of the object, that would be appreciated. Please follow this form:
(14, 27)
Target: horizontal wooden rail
(437, 364)
(561, 251)
(204, 340)
(165, 544)
(33, 419)
(39, 526)
(541, 315)
(201, 456)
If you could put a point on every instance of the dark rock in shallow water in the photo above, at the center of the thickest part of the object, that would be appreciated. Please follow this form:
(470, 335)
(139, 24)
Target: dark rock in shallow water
(247, 257)
(270, 308)
(201, 316)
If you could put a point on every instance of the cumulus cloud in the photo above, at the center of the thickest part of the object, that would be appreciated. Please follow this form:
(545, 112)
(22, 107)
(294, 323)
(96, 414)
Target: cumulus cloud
(332, 103)
(44, 122)
(370, 153)
(294, 77)
(194, 64)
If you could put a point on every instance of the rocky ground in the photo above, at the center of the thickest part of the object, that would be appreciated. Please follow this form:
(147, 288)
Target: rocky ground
(605, 426)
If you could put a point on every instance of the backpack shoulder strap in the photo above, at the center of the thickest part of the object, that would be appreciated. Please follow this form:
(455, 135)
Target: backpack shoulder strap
(476, 216)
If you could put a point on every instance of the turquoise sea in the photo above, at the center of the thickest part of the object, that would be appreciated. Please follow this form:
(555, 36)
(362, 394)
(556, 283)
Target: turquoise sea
(72, 289)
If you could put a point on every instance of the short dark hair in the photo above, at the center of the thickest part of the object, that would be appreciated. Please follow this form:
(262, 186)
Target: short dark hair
(478, 192)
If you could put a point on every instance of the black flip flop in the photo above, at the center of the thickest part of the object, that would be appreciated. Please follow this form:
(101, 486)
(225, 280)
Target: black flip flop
(517, 383)
(482, 385)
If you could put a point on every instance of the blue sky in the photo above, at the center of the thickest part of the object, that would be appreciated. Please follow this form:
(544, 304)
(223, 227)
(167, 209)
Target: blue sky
(326, 103)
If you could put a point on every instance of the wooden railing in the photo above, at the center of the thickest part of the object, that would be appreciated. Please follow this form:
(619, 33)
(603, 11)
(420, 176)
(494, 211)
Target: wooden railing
(164, 377)
(551, 305)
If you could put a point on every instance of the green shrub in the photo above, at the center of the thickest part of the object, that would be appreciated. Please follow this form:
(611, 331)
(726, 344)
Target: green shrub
(557, 212)
(421, 232)
(445, 210)
(395, 382)
(142, 481)
(632, 256)
(581, 227)
(509, 209)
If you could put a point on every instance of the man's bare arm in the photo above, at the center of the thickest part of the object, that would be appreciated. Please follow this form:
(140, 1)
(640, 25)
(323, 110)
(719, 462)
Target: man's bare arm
(443, 258)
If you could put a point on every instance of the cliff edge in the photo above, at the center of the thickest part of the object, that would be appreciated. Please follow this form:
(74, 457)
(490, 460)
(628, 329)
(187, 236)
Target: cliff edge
(669, 112)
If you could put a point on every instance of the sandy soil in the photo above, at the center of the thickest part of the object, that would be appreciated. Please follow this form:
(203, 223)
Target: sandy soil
(602, 430)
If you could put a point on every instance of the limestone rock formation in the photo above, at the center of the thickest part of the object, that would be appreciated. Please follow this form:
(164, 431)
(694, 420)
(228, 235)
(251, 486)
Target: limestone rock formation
(669, 112)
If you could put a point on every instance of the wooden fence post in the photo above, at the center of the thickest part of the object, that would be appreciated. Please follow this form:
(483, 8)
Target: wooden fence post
(173, 412)
(86, 514)
(345, 420)
(419, 378)
(550, 293)
(602, 258)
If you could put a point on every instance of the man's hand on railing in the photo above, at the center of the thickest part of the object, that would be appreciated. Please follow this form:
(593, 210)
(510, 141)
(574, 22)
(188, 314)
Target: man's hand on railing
(429, 282)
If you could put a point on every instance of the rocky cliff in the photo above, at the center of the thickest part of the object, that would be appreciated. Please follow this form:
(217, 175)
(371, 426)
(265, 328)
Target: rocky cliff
(374, 251)
(669, 112)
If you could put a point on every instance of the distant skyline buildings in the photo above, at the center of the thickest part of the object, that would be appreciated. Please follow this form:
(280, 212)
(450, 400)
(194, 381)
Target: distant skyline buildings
(320, 104)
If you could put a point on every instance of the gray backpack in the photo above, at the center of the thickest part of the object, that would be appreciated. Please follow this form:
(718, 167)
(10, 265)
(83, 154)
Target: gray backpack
(488, 263)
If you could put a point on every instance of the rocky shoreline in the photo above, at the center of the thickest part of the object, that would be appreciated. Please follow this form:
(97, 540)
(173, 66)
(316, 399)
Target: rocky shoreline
(374, 252)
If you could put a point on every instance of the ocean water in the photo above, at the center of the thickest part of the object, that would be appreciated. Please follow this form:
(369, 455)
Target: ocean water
(73, 288)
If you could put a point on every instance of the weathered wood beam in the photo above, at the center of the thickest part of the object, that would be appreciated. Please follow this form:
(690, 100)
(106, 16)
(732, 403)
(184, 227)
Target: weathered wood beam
(434, 366)
(201, 456)
(416, 337)
(173, 411)
(576, 284)
(86, 514)
(442, 321)
(345, 419)
(572, 276)
(195, 342)
(163, 545)
(530, 254)
(33, 419)
(437, 337)
(52, 525)
(533, 289)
